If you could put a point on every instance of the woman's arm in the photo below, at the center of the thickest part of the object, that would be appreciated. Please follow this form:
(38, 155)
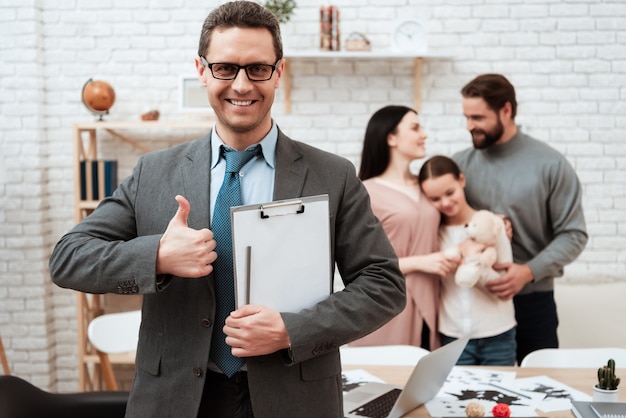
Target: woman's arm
(439, 263)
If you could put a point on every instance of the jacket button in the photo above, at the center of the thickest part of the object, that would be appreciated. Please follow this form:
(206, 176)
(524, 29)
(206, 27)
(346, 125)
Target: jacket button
(206, 322)
(197, 372)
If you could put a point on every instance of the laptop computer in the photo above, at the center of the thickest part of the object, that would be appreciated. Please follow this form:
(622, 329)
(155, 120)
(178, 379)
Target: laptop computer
(381, 400)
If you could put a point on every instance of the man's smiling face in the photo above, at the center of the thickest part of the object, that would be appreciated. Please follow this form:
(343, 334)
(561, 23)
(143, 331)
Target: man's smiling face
(242, 106)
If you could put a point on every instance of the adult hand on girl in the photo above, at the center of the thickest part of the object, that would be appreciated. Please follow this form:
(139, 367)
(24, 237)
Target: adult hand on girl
(507, 225)
(509, 285)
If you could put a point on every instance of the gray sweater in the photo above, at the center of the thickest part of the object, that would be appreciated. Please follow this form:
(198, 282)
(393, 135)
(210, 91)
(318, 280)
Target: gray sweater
(536, 187)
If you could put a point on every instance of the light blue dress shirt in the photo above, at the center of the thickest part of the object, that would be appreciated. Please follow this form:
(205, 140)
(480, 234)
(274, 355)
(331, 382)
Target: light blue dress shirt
(257, 176)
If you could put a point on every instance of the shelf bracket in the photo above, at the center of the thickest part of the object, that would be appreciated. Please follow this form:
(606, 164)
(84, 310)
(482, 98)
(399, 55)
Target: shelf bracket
(287, 86)
(417, 84)
(129, 141)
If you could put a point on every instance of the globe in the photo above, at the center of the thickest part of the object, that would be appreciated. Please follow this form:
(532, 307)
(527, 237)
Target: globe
(98, 96)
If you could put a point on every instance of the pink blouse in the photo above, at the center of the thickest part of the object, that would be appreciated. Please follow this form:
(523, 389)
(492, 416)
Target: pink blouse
(412, 225)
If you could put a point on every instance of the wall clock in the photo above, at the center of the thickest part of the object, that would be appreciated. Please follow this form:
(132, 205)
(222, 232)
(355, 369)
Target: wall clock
(409, 35)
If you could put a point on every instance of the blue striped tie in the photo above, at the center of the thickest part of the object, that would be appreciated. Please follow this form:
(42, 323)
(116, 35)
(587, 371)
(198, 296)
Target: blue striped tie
(228, 196)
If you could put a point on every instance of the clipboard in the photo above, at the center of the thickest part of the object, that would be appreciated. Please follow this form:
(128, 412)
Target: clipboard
(281, 253)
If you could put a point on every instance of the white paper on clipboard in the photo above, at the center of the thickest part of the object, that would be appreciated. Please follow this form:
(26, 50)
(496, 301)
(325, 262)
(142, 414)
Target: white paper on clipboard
(281, 253)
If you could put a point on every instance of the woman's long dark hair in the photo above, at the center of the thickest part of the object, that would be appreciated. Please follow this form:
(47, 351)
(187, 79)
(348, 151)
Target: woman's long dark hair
(375, 155)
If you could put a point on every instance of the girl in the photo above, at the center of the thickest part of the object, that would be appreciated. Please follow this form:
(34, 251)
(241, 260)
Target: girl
(474, 311)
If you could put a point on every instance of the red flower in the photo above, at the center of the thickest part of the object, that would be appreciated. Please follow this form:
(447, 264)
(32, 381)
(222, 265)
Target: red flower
(501, 410)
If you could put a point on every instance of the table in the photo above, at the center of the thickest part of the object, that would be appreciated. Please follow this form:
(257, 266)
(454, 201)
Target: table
(579, 379)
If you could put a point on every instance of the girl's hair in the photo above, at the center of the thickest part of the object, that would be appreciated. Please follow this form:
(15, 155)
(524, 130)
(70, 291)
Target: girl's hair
(438, 166)
(375, 156)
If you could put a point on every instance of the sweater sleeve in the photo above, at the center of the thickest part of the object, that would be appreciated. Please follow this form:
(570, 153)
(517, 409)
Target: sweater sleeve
(568, 223)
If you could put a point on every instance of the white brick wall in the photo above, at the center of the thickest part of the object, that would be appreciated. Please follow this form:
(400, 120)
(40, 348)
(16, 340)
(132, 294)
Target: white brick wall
(566, 59)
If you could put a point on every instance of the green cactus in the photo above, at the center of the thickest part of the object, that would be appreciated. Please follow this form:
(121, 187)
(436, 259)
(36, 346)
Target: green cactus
(606, 376)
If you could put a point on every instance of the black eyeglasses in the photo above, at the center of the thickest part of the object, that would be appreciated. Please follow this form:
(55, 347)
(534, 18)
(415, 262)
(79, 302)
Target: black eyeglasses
(226, 71)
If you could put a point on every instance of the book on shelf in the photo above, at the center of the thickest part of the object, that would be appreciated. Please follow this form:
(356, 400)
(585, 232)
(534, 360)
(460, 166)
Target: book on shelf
(98, 179)
(582, 409)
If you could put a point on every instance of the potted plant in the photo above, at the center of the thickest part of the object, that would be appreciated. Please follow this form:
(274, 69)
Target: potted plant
(282, 9)
(606, 388)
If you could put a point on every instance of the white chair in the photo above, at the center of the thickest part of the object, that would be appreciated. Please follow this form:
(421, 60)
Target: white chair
(382, 355)
(114, 333)
(575, 357)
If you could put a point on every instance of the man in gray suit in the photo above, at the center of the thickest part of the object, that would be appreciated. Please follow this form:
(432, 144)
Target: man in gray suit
(152, 237)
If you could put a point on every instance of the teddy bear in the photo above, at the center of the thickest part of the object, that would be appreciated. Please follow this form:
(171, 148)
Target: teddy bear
(478, 252)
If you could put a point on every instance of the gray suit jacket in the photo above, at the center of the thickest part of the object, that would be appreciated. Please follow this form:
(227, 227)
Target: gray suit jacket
(114, 251)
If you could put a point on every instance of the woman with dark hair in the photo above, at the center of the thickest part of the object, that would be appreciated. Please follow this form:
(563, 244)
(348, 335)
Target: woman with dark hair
(394, 137)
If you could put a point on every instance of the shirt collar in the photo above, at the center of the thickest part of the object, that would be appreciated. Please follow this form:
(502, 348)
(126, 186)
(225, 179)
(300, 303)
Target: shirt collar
(268, 146)
(511, 146)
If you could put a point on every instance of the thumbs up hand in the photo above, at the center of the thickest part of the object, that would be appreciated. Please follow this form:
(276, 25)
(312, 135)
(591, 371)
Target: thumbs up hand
(183, 251)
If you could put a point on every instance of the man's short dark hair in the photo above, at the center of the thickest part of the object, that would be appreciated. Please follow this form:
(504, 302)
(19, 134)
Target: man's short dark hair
(242, 14)
(495, 89)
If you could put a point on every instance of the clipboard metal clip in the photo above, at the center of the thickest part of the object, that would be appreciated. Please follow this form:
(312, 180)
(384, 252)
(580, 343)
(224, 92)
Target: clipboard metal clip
(279, 205)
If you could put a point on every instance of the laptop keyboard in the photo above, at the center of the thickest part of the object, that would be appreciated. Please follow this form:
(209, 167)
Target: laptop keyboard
(379, 407)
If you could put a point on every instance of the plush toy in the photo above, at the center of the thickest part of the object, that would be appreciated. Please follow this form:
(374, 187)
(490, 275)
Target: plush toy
(478, 252)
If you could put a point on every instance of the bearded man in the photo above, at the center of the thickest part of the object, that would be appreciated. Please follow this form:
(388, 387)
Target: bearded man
(537, 189)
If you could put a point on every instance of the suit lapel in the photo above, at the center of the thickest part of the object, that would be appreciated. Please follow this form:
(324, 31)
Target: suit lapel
(290, 169)
(196, 175)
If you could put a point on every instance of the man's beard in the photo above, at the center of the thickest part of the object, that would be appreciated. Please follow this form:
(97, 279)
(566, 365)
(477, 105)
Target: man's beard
(488, 138)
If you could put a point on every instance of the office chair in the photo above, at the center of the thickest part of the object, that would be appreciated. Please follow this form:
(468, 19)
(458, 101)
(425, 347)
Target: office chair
(114, 333)
(20, 399)
(382, 355)
(575, 357)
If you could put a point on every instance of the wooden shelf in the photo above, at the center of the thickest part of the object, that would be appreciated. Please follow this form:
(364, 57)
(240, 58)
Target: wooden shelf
(86, 146)
(376, 55)
(140, 124)
(88, 204)
(88, 306)
(316, 53)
